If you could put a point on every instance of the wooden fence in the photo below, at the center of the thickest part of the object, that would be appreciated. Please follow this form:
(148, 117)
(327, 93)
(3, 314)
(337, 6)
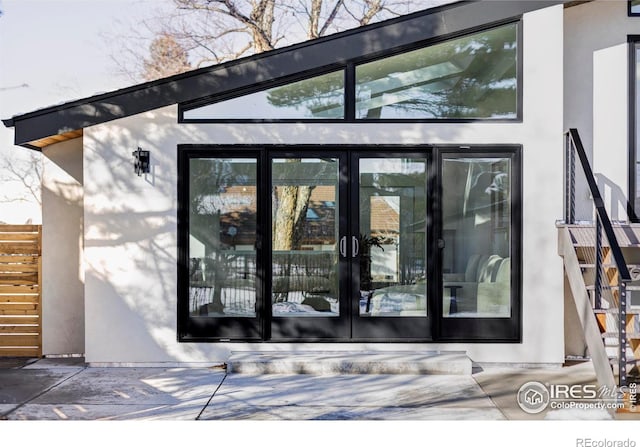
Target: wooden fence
(20, 291)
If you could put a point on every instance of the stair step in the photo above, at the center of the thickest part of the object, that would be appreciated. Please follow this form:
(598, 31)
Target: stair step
(592, 287)
(635, 310)
(614, 362)
(321, 363)
(592, 266)
(613, 359)
(630, 335)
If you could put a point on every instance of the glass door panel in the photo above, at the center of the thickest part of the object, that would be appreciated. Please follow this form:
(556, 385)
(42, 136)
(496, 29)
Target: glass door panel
(305, 276)
(392, 237)
(304, 243)
(389, 247)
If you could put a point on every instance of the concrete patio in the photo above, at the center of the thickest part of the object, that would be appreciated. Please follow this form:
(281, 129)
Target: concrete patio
(67, 389)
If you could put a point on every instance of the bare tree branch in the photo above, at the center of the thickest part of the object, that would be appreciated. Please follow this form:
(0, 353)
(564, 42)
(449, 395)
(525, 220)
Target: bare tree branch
(331, 18)
(27, 174)
(215, 31)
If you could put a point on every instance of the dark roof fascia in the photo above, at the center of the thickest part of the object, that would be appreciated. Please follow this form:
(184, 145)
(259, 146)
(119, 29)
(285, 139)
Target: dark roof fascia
(331, 50)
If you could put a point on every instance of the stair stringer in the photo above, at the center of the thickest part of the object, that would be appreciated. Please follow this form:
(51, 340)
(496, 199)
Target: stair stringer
(591, 331)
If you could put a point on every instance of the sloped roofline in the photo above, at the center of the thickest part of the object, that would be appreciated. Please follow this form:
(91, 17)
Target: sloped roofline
(333, 50)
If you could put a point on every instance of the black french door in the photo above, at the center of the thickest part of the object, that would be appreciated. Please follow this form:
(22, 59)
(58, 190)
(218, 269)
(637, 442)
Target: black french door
(348, 244)
(355, 266)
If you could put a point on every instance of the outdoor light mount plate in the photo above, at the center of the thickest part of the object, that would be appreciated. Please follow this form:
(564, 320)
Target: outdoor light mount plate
(141, 161)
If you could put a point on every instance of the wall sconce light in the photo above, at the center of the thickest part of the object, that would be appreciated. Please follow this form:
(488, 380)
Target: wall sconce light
(141, 161)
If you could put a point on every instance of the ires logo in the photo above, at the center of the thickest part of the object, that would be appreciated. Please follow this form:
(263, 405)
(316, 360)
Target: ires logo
(573, 392)
(535, 397)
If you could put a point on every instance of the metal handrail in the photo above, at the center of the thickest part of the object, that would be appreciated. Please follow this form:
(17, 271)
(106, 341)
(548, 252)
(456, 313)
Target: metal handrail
(603, 223)
(598, 202)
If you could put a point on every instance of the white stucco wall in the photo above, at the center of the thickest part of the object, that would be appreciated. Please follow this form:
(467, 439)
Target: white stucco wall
(596, 95)
(130, 221)
(62, 245)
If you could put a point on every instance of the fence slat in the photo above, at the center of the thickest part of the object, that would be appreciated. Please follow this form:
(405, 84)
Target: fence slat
(19, 228)
(19, 319)
(19, 268)
(19, 352)
(19, 237)
(20, 329)
(17, 248)
(24, 276)
(30, 340)
(18, 306)
(18, 289)
(19, 299)
(19, 282)
(18, 259)
(20, 312)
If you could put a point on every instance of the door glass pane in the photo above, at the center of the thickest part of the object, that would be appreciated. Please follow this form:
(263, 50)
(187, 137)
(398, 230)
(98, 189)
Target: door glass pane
(304, 237)
(476, 210)
(320, 97)
(637, 127)
(222, 237)
(469, 77)
(392, 240)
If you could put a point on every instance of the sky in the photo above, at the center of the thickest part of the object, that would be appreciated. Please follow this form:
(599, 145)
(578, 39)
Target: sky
(54, 51)
(61, 48)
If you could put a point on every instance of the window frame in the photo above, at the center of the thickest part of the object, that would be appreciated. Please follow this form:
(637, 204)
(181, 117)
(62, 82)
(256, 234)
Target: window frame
(634, 115)
(349, 67)
(492, 329)
(194, 329)
(630, 11)
(460, 330)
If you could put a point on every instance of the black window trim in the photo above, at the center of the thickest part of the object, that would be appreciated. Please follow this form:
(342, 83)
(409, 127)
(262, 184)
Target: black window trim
(630, 12)
(349, 93)
(465, 330)
(634, 165)
(260, 87)
(510, 329)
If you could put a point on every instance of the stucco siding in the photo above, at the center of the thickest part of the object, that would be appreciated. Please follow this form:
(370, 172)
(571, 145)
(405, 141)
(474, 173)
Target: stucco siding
(62, 247)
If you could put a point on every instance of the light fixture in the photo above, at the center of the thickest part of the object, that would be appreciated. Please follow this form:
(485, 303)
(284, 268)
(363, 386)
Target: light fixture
(141, 161)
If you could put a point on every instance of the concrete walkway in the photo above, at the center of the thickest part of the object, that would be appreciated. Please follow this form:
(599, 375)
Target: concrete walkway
(66, 389)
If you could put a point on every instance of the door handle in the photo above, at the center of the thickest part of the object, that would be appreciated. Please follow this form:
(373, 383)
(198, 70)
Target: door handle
(343, 246)
(355, 246)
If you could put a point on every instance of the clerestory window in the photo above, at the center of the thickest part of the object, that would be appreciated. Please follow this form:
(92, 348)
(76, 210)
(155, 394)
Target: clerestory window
(470, 77)
(319, 97)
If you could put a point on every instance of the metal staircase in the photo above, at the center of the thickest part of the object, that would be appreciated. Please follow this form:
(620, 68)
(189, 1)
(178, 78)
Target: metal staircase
(600, 278)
